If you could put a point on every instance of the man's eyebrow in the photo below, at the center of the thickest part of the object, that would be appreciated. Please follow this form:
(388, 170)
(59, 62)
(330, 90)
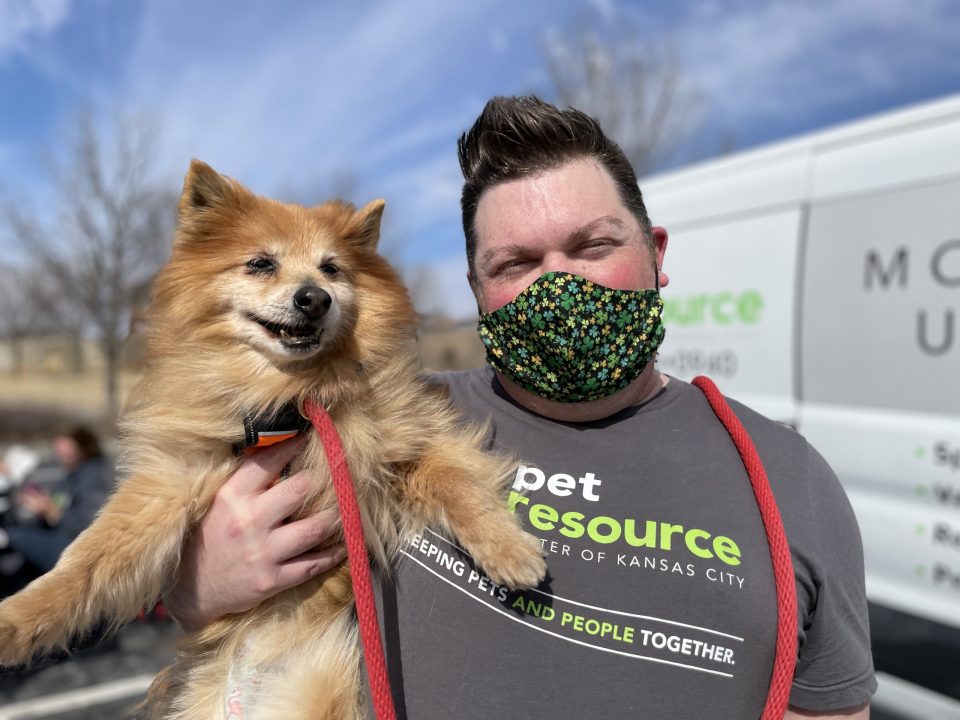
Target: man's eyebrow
(583, 233)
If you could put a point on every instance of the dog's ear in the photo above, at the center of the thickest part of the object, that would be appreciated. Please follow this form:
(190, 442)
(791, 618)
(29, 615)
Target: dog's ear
(368, 224)
(203, 189)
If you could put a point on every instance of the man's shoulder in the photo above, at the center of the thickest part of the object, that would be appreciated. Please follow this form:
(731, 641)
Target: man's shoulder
(801, 479)
(463, 385)
(765, 432)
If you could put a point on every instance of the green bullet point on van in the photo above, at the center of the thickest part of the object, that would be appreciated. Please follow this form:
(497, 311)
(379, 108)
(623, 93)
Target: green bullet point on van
(920, 452)
(919, 570)
(921, 490)
(921, 529)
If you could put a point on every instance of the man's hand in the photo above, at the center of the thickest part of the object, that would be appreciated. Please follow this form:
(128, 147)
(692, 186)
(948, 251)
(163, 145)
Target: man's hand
(244, 551)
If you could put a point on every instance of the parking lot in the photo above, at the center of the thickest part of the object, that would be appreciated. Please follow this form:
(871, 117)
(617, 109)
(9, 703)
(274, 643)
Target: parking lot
(98, 683)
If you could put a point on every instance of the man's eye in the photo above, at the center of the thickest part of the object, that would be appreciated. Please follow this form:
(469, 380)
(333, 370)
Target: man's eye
(594, 244)
(511, 265)
(262, 265)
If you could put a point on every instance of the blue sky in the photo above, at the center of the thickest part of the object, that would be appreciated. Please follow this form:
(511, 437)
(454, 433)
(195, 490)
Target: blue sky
(289, 96)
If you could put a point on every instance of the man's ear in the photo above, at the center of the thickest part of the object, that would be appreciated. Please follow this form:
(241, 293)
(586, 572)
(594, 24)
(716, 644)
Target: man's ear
(660, 246)
(204, 188)
(368, 223)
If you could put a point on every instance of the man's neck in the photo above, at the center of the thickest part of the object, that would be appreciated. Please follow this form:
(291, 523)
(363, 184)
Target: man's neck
(647, 384)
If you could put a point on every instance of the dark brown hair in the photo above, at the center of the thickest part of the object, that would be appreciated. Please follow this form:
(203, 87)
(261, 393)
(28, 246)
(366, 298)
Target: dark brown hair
(517, 137)
(86, 441)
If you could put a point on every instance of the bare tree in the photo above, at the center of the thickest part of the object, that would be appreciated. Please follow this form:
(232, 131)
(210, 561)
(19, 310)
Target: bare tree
(634, 86)
(109, 236)
(17, 313)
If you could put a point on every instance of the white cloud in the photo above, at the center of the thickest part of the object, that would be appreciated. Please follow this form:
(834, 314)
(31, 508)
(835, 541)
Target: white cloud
(320, 92)
(430, 189)
(606, 9)
(23, 19)
(415, 137)
(782, 58)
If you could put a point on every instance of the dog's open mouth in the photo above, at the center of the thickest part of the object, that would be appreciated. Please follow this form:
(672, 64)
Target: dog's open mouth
(302, 336)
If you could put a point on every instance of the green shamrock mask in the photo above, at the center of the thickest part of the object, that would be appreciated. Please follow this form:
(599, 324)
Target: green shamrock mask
(568, 339)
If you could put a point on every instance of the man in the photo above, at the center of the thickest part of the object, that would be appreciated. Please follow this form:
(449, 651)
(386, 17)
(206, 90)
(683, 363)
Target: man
(660, 597)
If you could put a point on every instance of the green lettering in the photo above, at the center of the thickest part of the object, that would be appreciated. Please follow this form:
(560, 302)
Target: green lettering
(515, 499)
(749, 306)
(572, 527)
(726, 549)
(594, 534)
(691, 539)
(720, 299)
(649, 538)
(697, 303)
(666, 532)
(722, 308)
(543, 517)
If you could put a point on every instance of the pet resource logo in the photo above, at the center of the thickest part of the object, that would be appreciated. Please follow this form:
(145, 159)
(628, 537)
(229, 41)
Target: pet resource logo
(604, 529)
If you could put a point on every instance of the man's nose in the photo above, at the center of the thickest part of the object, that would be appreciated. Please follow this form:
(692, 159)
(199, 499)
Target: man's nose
(559, 263)
(312, 301)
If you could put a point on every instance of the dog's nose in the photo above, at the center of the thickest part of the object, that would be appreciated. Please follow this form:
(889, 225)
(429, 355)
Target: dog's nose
(312, 301)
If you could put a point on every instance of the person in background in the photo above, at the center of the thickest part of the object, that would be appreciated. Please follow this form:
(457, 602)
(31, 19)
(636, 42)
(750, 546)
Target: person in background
(69, 509)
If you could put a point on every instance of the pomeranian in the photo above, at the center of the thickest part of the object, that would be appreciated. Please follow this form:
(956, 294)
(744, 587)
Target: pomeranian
(262, 307)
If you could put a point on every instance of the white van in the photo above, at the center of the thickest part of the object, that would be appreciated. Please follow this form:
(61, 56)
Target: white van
(818, 281)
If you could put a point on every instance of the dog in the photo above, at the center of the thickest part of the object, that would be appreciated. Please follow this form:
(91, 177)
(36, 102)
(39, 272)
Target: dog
(263, 307)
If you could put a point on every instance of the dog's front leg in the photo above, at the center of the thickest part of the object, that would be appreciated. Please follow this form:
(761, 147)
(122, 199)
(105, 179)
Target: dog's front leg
(460, 487)
(111, 571)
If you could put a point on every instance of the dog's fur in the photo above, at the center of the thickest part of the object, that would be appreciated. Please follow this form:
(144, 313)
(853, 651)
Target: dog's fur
(210, 364)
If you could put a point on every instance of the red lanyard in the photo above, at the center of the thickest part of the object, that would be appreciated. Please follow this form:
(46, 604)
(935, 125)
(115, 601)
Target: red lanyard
(359, 562)
(785, 660)
(786, 650)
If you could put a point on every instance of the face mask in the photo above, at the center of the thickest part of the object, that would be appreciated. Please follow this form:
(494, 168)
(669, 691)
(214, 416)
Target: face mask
(568, 339)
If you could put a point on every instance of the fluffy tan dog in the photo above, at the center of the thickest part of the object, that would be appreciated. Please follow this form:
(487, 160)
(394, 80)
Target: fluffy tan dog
(264, 305)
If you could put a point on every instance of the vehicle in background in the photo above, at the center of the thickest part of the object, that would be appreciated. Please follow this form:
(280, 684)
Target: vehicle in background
(818, 281)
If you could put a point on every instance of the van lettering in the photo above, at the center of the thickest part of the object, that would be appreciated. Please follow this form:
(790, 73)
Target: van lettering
(945, 339)
(885, 277)
(937, 266)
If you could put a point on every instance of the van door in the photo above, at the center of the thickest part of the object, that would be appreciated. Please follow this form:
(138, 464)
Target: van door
(880, 399)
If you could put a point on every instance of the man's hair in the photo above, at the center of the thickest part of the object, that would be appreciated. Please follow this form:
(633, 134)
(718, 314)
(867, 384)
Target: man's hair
(88, 445)
(517, 137)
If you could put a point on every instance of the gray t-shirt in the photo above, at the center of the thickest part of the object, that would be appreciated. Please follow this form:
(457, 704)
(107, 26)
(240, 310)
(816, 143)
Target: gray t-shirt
(660, 599)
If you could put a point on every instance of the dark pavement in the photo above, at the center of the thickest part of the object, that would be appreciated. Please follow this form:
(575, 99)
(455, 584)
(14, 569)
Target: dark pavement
(71, 689)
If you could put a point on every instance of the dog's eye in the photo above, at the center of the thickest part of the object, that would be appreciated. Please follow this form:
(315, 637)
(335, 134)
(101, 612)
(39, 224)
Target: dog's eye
(329, 269)
(261, 265)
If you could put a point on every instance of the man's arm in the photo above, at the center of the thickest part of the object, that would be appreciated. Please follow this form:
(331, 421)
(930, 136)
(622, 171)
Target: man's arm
(857, 713)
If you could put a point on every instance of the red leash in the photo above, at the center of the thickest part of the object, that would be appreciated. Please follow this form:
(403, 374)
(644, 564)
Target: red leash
(785, 659)
(359, 561)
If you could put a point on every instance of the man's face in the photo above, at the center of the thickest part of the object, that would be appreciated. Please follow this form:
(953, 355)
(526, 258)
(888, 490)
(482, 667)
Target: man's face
(569, 219)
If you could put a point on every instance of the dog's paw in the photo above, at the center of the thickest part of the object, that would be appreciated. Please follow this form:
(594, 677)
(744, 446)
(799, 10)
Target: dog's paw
(14, 650)
(513, 560)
